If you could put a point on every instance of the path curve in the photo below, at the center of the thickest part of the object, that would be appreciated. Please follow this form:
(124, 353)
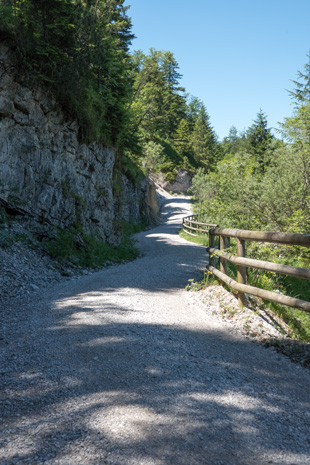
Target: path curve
(120, 368)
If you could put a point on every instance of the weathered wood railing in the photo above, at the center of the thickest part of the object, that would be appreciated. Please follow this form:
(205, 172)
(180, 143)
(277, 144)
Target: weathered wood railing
(190, 224)
(243, 263)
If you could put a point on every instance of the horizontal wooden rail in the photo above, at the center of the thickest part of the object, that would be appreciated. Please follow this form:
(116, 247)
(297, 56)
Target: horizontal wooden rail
(261, 236)
(201, 224)
(268, 295)
(262, 265)
(189, 221)
(195, 229)
(191, 234)
(241, 236)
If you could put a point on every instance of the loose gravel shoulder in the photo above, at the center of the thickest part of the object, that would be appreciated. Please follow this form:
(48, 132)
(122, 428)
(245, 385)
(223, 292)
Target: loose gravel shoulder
(125, 367)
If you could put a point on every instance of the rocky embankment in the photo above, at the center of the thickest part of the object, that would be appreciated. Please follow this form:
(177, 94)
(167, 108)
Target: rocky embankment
(26, 269)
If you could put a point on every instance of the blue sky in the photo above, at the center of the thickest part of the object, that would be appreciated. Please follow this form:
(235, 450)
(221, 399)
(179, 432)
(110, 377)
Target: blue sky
(237, 56)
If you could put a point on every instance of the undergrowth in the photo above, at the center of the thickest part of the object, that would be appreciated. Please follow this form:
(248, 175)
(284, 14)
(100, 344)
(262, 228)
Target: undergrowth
(203, 240)
(80, 249)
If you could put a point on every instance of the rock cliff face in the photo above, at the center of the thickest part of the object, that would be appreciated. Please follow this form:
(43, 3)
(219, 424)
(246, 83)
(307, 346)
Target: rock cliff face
(48, 178)
(181, 184)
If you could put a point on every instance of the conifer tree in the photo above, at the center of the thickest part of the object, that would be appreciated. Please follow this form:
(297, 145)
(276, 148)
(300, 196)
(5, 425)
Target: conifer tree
(173, 98)
(193, 108)
(259, 137)
(204, 143)
(182, 139)
(159, 104)
(301, 94)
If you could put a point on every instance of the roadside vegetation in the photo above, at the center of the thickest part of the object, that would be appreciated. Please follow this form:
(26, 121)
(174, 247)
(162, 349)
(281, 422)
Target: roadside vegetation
(263, 183)
(73, 246)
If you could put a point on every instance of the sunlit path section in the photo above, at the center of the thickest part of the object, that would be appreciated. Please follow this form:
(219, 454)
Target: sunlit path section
(120, 368)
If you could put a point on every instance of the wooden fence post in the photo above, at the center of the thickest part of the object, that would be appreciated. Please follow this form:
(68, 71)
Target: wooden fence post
(241, 273)
(211, 245)
(223, 262)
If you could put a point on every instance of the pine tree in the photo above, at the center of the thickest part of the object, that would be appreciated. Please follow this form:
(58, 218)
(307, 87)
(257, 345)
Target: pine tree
(158, 104)
(182, 139)
(259, 137)
(147, 105)
(204, 142)
(193, 108)
(173, 98)
(301, 94)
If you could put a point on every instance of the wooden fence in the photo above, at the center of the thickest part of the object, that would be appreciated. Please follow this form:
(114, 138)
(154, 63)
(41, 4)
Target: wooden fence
(194, 228)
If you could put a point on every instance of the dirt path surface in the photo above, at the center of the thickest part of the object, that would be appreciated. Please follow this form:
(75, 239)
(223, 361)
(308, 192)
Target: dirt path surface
(120, 368)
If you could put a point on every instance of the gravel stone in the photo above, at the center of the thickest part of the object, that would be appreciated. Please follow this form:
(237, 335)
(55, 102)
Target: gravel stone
(125, 367)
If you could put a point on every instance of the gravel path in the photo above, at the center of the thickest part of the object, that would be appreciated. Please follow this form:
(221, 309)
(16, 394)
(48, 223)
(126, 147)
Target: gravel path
(120, 368)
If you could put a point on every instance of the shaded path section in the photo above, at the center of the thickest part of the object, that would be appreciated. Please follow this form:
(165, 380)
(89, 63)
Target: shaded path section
(118, 368)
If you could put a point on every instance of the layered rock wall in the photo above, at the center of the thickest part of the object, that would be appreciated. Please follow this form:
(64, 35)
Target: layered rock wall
(48, 178)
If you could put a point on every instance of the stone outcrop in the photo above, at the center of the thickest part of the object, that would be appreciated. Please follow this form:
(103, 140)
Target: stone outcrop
(181, 184)
(48, 178)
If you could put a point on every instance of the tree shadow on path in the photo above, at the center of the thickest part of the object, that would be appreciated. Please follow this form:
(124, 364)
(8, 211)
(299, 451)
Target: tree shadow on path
(90, 379)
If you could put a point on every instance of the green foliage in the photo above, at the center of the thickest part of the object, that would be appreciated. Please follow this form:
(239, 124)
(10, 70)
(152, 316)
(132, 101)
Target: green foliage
(79, 50)
(158, 102)
(233, 143)
(258, 142)
(204, 142)
(203, 240)
(165, 118)
(238, 195)
(8, 238)
(7, 23)
(301, 94)
(208, 279)
(73, 246)
(131, 166)
(153, 156)
(297, 320)
(182, 139)
(264, 184)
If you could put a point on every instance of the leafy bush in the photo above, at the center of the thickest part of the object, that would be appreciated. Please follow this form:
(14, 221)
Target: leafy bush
(153, 156)
(236, 196)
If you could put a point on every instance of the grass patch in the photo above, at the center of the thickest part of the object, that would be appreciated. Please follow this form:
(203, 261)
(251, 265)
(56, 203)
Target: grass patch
(207, 280)
(203, 240)
(79, 249)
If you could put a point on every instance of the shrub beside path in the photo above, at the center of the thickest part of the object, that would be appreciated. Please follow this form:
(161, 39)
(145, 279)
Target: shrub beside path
(121, 368)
